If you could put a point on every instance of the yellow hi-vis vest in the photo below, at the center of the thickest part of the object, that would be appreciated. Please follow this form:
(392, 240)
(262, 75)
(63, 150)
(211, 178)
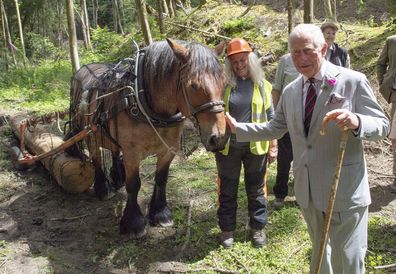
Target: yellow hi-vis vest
(261, 97)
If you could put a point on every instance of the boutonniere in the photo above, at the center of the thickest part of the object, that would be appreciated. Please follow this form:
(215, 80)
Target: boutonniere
(329, 84)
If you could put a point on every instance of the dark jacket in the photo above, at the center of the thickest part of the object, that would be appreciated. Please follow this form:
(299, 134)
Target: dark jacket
(386, 68)
(339, 56)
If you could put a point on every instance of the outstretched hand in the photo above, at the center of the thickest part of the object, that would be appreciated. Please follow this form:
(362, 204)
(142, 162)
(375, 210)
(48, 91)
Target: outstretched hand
(231, 122)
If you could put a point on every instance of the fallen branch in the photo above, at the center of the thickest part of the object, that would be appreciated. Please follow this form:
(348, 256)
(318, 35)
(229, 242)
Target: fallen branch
(177, 267)
(385, 266)
(290, 255)
(202, 31)
(188, 232)
(240, 263)
(3, 262)
(381, 173)
(247, 9)
(68, 218)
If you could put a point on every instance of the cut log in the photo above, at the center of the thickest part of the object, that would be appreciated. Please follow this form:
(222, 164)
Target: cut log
(72, 174)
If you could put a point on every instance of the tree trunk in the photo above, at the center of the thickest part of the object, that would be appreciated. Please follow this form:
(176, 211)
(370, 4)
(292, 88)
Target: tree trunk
(289, 15)
(142, 14)
(171, 8)
(20, 32)
(116, 17)
(4, 36)
(72, 36)
(95, 8)
(72, 174)
(84, 15)
(164, 6)
(10, 45)
(308, 11)
(160, 17)
(328, 9)
(83, 29)
(335, 10)
(114, 12)
(59, 13)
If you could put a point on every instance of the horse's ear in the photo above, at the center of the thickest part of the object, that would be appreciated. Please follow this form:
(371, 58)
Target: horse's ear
(181, 52)
(219, 48)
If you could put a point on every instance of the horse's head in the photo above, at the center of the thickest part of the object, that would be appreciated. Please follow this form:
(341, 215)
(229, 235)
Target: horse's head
(200, 91)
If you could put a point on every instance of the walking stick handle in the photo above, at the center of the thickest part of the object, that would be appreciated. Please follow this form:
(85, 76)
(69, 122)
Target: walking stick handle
(325, 121)
(332, 196)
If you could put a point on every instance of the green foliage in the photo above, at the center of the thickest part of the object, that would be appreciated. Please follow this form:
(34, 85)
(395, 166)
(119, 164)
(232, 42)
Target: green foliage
(381, 242)
(236, 26)
(39, 47)
(110, 46)
(42, 89)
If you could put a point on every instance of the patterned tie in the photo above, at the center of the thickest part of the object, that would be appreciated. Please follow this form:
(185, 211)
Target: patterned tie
(309, 104)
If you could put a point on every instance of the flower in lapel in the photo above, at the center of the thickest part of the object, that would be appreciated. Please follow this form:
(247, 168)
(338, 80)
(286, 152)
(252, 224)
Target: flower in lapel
(329, 84)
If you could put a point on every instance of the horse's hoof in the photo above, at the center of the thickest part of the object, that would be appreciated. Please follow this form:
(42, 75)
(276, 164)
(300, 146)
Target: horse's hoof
(166, 224)
(162, 218)
(134, 229)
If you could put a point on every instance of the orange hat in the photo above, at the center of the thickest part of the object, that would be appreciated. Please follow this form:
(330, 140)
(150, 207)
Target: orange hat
(238, 45)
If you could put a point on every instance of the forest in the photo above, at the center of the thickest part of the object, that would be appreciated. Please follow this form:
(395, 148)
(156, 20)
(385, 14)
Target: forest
(46, 229)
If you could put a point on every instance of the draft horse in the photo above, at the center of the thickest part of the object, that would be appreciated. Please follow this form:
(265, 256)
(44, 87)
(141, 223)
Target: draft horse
(139, 111)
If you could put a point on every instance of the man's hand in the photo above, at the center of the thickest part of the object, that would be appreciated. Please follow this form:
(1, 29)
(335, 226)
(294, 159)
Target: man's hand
(231, 122)
(344, 118)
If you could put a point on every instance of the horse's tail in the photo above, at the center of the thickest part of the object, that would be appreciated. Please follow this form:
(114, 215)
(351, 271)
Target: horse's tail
(73, 126)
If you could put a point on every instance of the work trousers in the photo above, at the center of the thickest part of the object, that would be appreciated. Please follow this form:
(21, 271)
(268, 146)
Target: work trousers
(284, 159)
(229, 169)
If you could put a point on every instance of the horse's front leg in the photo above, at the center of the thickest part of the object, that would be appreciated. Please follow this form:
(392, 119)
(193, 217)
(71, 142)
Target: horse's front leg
(117, 171)
(132, 221)
(159, 212)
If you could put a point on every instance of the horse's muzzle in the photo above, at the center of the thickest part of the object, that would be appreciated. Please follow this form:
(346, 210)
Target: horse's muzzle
(216, 142)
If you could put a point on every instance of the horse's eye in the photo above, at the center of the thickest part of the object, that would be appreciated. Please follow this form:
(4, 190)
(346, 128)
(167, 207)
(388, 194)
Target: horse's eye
(194, 87)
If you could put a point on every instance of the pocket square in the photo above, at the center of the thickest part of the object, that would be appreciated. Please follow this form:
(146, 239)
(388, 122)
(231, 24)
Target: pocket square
(336, 98)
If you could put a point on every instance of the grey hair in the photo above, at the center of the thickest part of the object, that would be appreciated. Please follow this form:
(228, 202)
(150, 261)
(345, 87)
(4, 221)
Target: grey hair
(256, 72)
(309, 31)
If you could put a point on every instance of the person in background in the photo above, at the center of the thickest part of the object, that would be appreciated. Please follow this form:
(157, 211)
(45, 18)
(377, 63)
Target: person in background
(335, 54)
(345, 97)
(247, 97)
(285, 74)
(386, 75)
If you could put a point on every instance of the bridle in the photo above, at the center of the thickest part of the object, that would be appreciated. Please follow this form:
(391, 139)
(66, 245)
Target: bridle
(214, 106)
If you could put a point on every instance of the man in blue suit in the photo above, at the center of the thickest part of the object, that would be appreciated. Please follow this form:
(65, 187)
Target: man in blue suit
(324, 89)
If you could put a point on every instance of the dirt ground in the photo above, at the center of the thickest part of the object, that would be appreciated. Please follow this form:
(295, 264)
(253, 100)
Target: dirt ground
(45, 228)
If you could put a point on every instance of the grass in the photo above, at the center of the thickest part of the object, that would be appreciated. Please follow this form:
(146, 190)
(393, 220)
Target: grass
(193, 182)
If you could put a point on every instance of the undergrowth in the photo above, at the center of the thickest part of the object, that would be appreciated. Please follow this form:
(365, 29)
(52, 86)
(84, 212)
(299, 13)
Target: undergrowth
(45, 86)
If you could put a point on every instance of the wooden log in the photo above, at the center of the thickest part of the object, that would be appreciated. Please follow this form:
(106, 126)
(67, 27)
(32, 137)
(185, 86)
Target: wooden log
(72, 174)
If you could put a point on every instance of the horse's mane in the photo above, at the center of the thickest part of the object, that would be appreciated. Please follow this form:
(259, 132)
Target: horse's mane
(162, 65)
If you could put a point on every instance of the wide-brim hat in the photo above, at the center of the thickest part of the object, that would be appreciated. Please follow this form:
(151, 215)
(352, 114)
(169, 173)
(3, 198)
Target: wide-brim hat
(326, 25)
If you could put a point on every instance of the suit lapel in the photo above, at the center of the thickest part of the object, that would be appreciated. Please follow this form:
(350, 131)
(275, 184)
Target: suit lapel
(298, 105)
(319, 111)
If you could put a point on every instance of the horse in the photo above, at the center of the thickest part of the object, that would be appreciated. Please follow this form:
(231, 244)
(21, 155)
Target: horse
(180, 80)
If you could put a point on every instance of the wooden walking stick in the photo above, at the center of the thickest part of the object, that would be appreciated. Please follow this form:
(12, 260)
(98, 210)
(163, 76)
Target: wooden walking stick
(330, 206)
(265, 181)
